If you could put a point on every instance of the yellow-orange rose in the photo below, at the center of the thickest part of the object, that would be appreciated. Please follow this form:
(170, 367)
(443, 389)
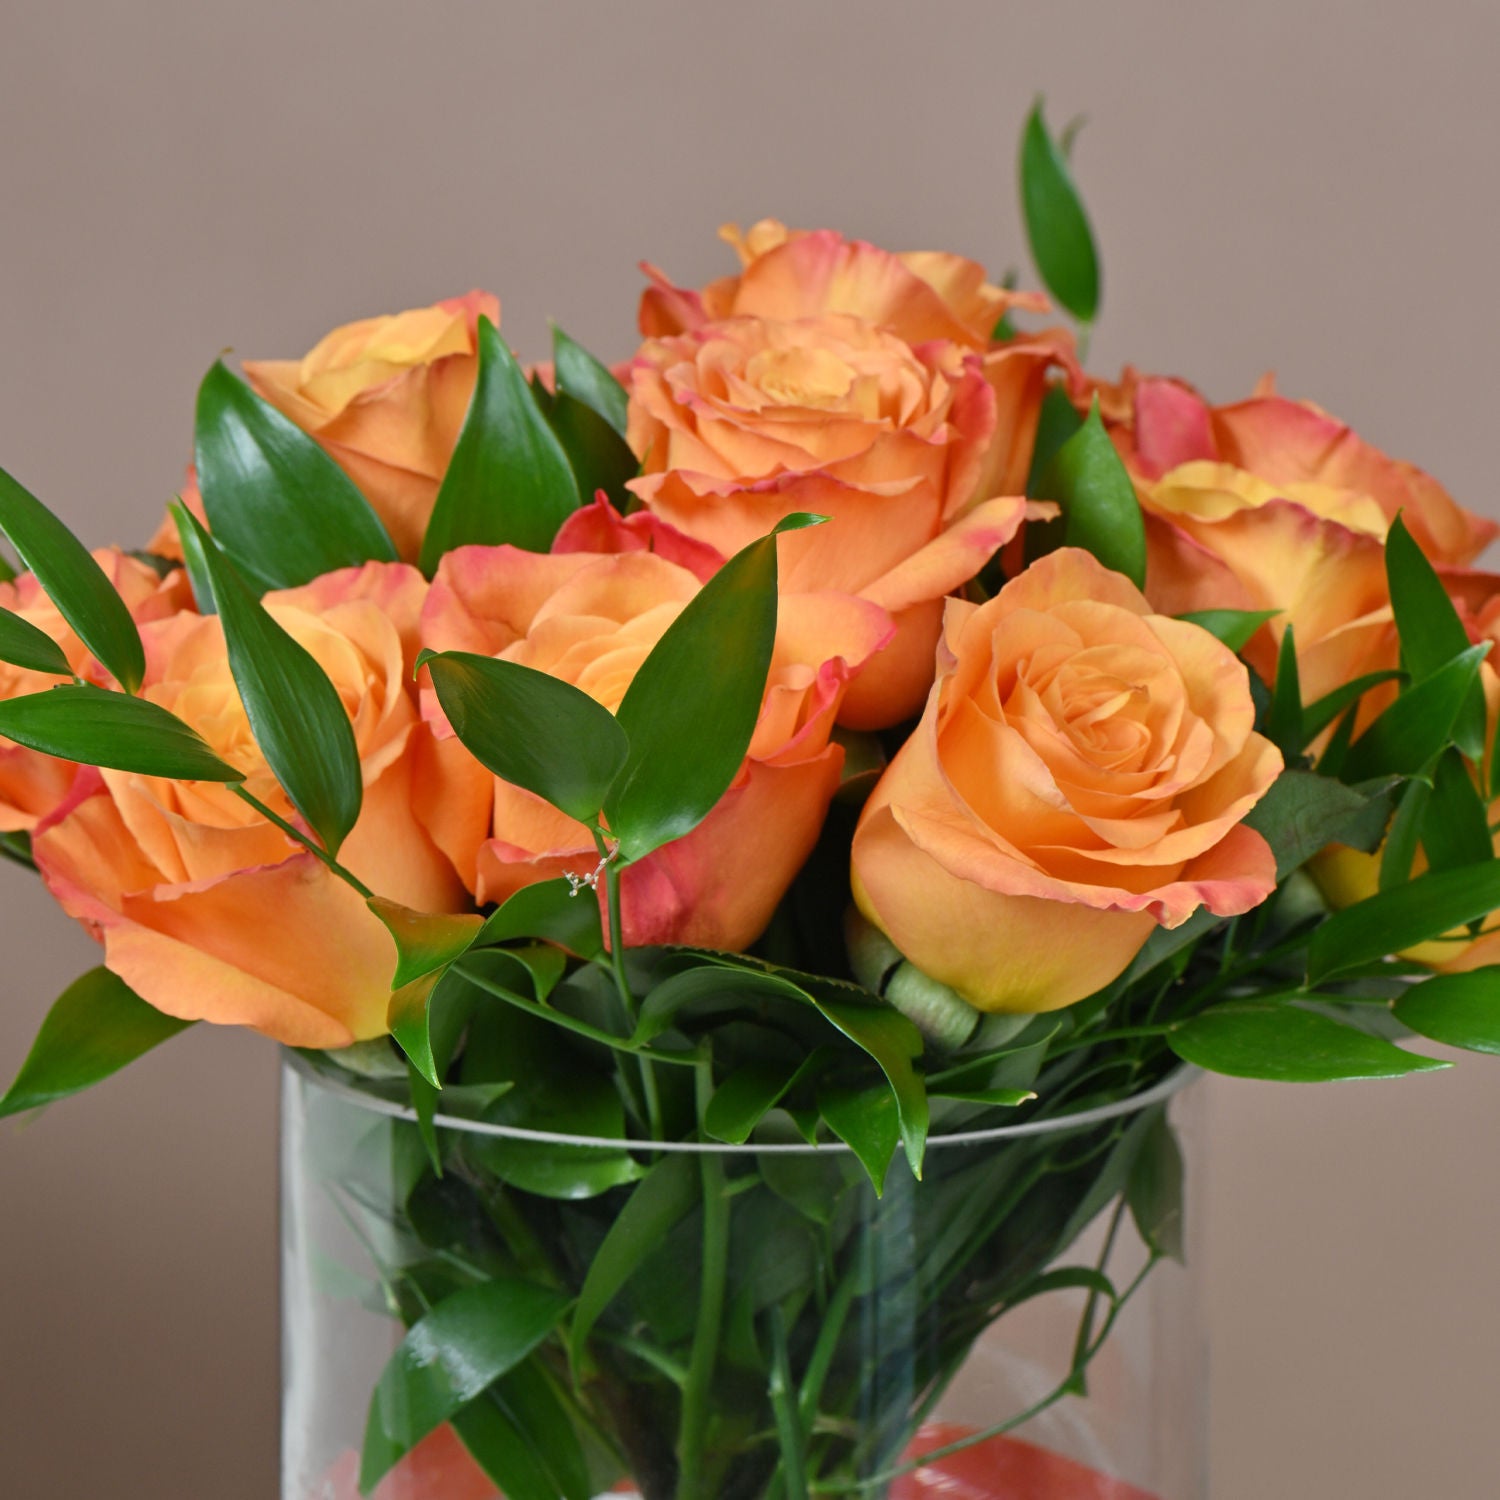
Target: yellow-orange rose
(387, 398)
(31, 784)
(208, 911)
(1079, 776)
(1273, 504)
(590, 618)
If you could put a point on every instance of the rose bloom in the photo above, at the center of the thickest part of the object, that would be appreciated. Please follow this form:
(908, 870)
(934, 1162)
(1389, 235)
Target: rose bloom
(207, 910)
(1078, 777)
(387, 398)
(1273, 504)
(833, 377)
(590, 617)
(32, 784)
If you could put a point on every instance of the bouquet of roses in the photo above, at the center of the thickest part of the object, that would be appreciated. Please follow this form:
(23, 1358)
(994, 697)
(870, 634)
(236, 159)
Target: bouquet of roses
(845, 722)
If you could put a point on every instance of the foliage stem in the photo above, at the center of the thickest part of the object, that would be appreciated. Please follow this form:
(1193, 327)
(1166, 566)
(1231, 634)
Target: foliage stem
(293, 832)
(695, 1395)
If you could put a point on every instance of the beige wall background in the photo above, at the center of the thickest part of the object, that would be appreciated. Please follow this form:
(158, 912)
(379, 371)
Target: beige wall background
(1296, 184)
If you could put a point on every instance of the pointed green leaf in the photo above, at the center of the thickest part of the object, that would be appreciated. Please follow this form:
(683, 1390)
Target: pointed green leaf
(1154, 1189)
(96, 1026)
(1284, 726)
(1234, 627)
(893, 1042)
(192, 560)
(275, 501)
(1058, 421)
(74, 582)
(741, 1101)
(585, 379)
(1286, 1044)
(1400, 849)
(1318, 715)
(1057, 228)
(1419, 724)
(692, 707)
(865, 1121)
(449, 1358)
(598, 456)
(7, 569)
(550, 910)
(533, 730)
(509, 479)
(1432, 635)
(23, 645)
(295, 712)
(663, 1196)
(424, 940)
(407, 1019)
(97, 727)
(1459, 1010)
(1456, 828)
(1100, 512)
(1395, 920)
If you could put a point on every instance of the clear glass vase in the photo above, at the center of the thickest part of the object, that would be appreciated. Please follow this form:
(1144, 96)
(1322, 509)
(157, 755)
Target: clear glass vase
(1024, 1322)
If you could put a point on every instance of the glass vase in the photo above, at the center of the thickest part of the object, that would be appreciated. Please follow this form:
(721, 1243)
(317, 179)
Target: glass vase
(747, 1323)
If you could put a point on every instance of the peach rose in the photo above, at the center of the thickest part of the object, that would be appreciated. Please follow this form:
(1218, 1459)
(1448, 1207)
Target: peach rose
(591, 618)
(31, 784)
(387, 398)
(1079, 776)
(1273, 504)
(210, 912)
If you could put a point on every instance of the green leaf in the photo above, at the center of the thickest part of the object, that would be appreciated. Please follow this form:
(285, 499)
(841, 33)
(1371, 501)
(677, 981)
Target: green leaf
(23, 645)
(1419, 724)
(741, 1101)
(509, 479)
(1432, 635)
(407, 1019)
(721, 986)
(1286, 1044)
(1062, 245)
(1456, 828)
(1284, 727)
(96, 1026)
(865, 1120)
(533, 730)
(1100, 511)
(1154, 1189)
(425, 941)
(7, 569)
(192, 559)
(663, 1196)
(74, 582)
(893, 1042)
(1318, 715)
(598, 456)
(1233, 627)
(1058, 421)
(504, 1450)
(692, 707)
(1303, 813)
(275, 501)
(585, 379)
(549, 910)
(97, 727)
(1459, 1010)
(16, 847)
(1393, 921)
(295, 712)
(449, 1358)
(1400, 849)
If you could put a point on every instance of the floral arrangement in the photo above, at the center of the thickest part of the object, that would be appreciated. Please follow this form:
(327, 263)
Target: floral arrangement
(847, 720)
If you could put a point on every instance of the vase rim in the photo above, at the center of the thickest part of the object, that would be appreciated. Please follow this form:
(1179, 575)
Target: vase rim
(1158, 1093)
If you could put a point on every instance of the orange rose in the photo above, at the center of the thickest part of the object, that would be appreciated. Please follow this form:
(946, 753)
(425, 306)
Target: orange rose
(31, 785)
(1079, 776)
(591, 618)
(387, 398)
(832, 376)
(208, 911)
(1272, 504)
